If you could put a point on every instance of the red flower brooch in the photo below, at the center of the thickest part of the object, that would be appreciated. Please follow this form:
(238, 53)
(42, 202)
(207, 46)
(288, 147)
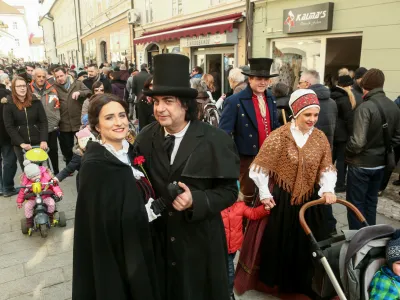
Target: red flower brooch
(138, 161)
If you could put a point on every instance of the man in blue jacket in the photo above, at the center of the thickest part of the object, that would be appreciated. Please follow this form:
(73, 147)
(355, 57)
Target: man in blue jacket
(250, 116)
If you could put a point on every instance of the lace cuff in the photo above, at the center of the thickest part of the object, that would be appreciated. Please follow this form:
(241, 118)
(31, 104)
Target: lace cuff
(327, 182)
(261, 180)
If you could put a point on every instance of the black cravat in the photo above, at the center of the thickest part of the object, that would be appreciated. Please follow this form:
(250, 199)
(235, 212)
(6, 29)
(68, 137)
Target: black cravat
(168, 145)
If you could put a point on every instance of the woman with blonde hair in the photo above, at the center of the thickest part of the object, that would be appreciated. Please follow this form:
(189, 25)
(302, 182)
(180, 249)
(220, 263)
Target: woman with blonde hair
(346, 103)
(25, 119)
(208, 79)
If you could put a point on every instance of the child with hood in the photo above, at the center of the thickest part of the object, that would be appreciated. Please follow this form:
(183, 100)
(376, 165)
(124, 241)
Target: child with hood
(386, 282)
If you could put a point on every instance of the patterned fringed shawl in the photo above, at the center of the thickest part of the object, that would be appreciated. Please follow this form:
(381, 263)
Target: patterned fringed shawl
(294, 169)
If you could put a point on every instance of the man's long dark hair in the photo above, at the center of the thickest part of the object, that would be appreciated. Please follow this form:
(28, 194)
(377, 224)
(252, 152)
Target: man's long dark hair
(191, 106)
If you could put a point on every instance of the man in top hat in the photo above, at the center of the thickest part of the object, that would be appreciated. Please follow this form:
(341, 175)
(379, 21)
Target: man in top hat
(189, 237)
(250, 116)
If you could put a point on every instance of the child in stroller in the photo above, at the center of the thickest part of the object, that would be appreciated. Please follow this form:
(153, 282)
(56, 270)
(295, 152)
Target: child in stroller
(386, 282)
(33, 173)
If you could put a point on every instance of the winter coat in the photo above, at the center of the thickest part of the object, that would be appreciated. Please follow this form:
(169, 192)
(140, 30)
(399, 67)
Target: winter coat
(138, 83)
(239, 120)
(26, 126)
(328, 112)
(240, 87)
(365, 147)
(88, 82)
(283, 103)
(190, 245)
(113, 255)
(4, 137)
(233, 222)
(70, 109)
(145, 111)
(48, 96)
(45, 177)
(118, 88)
(385, 285)
(344, 125)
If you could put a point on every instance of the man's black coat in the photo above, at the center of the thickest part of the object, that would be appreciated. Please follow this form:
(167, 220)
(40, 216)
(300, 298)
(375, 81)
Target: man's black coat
(190, 246)
(113, 255)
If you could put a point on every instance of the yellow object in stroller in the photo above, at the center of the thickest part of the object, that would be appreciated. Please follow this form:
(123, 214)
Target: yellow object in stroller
(39, 156)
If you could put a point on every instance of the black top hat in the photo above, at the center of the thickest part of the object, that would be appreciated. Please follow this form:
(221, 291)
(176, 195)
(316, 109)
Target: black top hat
(171, 77)
(260, 67)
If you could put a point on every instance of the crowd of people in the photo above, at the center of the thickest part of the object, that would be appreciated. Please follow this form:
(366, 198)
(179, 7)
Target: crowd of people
(257, 153)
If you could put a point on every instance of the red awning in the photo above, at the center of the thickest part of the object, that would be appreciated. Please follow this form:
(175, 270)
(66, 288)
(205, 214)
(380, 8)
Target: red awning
(211, 26)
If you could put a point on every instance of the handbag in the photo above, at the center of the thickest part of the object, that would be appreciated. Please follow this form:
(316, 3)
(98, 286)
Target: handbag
(390, 157)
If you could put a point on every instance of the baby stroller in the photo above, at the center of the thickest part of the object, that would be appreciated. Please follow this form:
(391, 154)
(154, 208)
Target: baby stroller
(345, 265)
(39, 190)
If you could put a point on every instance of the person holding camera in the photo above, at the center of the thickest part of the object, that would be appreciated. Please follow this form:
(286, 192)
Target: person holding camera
(189, 237)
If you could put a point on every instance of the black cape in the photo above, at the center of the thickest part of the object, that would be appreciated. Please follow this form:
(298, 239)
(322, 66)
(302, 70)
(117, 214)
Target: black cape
(190, 246)
(113, 253)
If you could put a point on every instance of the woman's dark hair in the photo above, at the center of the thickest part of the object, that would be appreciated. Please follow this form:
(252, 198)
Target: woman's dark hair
(96, 104)
(96, 85)
(192, 108)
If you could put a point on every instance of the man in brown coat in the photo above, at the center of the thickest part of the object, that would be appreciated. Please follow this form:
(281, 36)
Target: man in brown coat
(71, 95)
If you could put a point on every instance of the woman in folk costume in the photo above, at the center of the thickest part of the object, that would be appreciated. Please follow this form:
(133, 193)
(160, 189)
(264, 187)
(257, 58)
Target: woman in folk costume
(292, 161)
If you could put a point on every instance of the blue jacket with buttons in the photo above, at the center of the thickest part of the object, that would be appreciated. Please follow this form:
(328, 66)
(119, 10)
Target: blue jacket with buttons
(239, 120)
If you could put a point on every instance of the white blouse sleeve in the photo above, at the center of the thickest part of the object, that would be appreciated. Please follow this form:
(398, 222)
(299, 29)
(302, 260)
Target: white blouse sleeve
(261, 180)
(152, 216)
(327, 182)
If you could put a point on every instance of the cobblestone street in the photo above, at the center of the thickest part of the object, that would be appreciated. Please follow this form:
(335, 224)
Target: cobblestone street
(37, 268)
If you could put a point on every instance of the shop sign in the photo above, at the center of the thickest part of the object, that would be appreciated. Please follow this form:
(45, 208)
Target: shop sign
(210, 39)
(316, 17)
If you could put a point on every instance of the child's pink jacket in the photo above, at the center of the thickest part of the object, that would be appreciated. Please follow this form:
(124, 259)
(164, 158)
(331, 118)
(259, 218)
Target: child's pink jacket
(45, 177)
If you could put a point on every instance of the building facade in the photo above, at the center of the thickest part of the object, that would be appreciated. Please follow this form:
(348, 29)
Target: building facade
(106, 34)
(327, 36)
(14, 24)
(50, 50)
(212, 33)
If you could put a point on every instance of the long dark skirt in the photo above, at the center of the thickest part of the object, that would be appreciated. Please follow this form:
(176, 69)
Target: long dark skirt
(286, 260)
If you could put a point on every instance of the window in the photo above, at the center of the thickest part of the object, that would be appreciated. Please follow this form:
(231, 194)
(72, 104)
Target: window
(149, 11)
(216, 2)
(15, 25)
(176, 7)
(17, 42)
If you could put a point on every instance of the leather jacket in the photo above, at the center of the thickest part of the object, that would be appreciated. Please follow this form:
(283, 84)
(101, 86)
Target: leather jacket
(366, 148)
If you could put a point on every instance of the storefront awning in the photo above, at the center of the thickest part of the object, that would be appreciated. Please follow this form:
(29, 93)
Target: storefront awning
(211, 26)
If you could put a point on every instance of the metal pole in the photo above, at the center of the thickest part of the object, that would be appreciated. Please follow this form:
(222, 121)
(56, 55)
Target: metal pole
(333, 279)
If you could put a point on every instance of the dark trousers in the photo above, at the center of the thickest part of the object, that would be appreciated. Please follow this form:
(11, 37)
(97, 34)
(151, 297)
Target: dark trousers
(387, 175)
(66, 144)
(20, 156)
(362, 191)
(8, 167)
(231, 271)
(338, 155)
(53, 152)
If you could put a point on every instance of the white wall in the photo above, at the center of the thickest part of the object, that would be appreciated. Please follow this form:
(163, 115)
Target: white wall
(20, 34)
(49, 45)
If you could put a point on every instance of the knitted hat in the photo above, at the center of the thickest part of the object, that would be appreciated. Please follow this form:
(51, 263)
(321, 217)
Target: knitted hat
(393, 249)
(84, 136)
(31, 170)
(360, 72)
(373, 79)
(345, 80)
(301, 100)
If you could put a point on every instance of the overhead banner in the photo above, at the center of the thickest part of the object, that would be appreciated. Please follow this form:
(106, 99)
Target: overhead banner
(316, 17)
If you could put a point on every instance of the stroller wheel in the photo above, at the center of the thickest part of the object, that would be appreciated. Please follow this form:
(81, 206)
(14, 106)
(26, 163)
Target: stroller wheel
(62, 221)
(24, 227)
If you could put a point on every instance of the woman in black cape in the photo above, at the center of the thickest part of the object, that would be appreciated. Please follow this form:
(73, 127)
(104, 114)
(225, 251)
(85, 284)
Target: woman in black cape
(113, 254)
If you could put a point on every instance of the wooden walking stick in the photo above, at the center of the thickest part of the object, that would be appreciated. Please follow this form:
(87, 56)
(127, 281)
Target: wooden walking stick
(284, 116)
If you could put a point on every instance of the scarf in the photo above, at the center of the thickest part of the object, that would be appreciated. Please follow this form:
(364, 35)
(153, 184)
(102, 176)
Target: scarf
(294, 169)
